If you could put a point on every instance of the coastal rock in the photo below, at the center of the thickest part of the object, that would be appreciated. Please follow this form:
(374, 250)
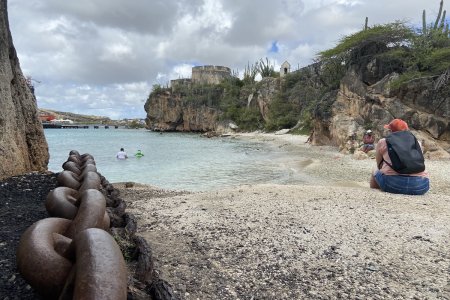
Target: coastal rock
(267, 89)
(365, 99)
(23, 147)
(170, 112)
(359, 106)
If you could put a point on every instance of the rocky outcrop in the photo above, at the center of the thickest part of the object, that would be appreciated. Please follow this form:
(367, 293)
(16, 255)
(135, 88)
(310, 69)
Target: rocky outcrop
(358, 106)
(366, 100)
(263, 94)
(339, 114)
(23, 147)
(170, 112)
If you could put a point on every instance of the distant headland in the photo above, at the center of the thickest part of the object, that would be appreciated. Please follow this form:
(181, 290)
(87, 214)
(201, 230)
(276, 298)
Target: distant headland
(57, 119)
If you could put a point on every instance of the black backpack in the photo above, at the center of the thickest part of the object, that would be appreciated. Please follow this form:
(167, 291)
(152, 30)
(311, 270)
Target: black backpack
(405, 153)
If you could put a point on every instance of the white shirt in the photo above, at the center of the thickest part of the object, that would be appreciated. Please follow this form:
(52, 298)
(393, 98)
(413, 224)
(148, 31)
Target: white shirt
(121, 155)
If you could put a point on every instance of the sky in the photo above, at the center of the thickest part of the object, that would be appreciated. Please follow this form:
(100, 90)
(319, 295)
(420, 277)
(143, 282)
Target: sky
(102, 57)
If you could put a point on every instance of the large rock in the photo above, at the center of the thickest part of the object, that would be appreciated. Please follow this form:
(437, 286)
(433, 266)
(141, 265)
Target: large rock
(170, 112)
(23, 147)
(359, 106)
(266, 91)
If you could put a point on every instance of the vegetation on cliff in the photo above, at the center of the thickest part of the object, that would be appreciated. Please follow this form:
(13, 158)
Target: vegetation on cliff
(413, 52)
(308, 94)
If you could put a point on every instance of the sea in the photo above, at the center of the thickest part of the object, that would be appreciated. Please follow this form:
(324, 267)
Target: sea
(173, 161)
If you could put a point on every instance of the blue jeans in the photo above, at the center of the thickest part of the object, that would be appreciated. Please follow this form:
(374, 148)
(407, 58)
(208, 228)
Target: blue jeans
(402, 184)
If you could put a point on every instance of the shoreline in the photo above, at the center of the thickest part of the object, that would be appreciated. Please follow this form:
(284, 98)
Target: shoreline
(330, 237)
(325, 165)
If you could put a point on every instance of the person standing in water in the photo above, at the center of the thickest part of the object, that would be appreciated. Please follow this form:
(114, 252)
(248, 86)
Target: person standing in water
(121, 154)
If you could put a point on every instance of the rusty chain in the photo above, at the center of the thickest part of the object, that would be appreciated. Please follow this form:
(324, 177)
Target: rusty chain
(71, 255)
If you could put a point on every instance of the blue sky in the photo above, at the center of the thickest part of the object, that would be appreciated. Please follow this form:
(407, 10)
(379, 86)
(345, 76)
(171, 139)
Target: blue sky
(102, 57)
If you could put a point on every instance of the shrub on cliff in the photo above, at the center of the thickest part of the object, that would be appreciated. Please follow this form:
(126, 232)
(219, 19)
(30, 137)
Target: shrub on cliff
(300, 93)
(390, 35)
(282, 114)
(234, 106)
(407, 50)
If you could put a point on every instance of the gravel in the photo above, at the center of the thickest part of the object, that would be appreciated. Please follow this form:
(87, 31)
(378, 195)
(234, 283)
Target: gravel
(21, 204)
(329, 237)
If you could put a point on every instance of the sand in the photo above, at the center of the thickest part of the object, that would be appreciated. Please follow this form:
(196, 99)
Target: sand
(328, 237)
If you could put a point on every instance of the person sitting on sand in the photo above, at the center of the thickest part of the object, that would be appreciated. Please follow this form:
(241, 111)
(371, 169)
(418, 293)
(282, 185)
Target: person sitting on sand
(121, 154)
(368, 141)
(400, 162)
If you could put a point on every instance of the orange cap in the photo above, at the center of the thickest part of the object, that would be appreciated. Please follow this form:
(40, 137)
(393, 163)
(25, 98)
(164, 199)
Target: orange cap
(397, 125)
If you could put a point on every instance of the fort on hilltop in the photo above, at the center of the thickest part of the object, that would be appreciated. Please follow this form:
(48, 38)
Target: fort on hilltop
(204, 75)
(180, 82)
(210, 74)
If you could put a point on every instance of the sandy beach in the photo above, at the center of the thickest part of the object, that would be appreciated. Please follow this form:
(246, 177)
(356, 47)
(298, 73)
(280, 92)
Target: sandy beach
(329, 237)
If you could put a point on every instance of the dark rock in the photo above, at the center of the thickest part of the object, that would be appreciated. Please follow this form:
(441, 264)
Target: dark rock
(18, 212)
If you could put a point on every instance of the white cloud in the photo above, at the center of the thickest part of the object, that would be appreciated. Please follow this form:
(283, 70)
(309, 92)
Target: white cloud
(103, 56)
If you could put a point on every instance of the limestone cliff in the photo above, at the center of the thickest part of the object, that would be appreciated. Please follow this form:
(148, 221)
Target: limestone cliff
(362, 97)
(23, 147)
(169, 112)
(263, 94)
(422, 103)
(173, 110)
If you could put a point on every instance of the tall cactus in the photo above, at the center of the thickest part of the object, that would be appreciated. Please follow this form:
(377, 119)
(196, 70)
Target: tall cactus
(441, 26)
(365, 25)
(424, 22)
(439, 15)
(250, 73)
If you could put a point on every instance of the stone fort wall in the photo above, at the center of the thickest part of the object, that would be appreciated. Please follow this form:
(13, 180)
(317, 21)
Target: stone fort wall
(210, 74)
(180, 82)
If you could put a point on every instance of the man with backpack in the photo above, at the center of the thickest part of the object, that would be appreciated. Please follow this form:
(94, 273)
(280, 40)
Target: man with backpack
(400, 162)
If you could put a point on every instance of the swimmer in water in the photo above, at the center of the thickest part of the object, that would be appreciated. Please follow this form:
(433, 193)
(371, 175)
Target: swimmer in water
(139, 154)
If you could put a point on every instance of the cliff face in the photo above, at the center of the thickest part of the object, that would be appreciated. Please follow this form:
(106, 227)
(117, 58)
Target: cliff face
(266, 90)
(363, 100)
(168, 112)
(423, 104)
(23, 147)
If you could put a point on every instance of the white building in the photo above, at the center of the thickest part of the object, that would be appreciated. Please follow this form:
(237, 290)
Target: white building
(285, 68)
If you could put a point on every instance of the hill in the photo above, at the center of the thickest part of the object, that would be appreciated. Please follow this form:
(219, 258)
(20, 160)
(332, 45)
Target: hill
(76, 118)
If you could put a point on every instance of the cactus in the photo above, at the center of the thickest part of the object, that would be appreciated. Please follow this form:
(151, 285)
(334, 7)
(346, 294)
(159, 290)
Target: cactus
(439, 15)
(365, 25)
(424, 23)
(265, 68)
(441, 26)
(250, 73)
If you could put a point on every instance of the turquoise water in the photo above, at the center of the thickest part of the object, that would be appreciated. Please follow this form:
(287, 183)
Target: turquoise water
(179, 161)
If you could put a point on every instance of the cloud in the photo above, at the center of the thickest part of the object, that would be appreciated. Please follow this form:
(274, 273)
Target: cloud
(103, 56)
